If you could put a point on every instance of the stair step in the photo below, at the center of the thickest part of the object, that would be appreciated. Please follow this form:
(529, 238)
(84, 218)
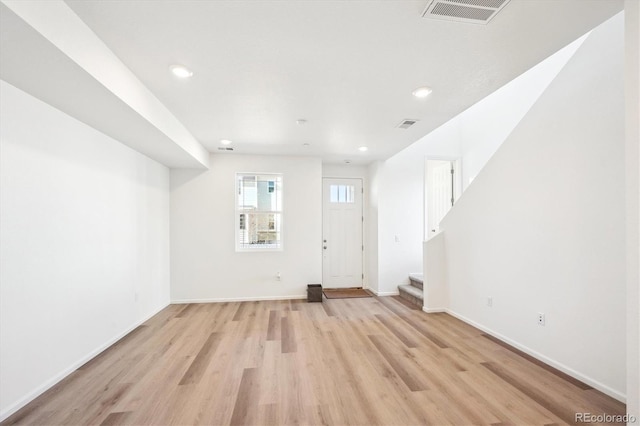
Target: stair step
(415, 292)
(416, 280)
(411, 294)
(416, 277)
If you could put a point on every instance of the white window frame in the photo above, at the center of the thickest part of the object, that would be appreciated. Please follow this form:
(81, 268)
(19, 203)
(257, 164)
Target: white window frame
(238, 211)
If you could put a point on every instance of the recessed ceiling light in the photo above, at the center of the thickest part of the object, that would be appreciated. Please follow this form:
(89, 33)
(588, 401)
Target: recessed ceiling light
(180, 71)
(225, 142)
(421, 92)
(306, 144)
(301, 121)
(363, 149)
(347, 161)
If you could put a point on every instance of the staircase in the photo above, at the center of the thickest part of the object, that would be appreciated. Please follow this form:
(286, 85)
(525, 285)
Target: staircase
(413, 292)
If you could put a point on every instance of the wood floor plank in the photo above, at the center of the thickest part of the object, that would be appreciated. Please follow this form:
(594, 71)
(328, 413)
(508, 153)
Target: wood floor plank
(396, 332)
(426, 333)
(137, 335)
(270, 368)
(114, 419)
(267, 415)
(187, 310)
(539, 363)
(520, 410)
(239, 311)
(396, 307)
(609, 405)
(408, 304)
(288, 338)
(147, 398)
(271, 327)
(544, 399)
(99, 406)
(296, 304)
(247, 398)
(50, 398)
(372, 361)
(199, 364)
(384, 383)
(219, 387)
(392, 305)
(294, 392)
(412, 382)
(249, 320)
(366, 409)
(327, 309)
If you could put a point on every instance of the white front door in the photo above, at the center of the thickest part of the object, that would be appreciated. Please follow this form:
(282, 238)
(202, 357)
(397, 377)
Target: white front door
(342, 233)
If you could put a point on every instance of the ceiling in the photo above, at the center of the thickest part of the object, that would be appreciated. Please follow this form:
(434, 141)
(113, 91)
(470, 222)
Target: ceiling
(347, 67)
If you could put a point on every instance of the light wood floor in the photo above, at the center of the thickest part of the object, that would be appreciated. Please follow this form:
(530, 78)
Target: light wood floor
(346, 361)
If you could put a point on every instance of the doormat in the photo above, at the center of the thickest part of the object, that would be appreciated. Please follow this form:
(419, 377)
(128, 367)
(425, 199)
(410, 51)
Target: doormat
(345, 293)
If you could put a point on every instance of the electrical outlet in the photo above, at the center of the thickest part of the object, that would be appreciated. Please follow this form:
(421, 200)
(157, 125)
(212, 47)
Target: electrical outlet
(489, 301)
(541, 319)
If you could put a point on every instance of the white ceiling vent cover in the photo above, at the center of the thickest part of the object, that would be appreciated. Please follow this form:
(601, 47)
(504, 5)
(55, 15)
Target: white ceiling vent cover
(406, 123)
(471, 11)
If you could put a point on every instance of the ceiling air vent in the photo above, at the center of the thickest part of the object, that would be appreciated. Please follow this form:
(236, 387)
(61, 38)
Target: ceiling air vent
(222, 148)
(405, 124)
(472, 11)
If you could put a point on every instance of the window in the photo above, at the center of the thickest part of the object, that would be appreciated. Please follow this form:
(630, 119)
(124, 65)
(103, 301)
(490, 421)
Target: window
(258, 211)
(342, 194)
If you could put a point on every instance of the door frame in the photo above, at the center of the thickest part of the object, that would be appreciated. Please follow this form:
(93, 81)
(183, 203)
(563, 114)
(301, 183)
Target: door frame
(457, 185)
(364, 246)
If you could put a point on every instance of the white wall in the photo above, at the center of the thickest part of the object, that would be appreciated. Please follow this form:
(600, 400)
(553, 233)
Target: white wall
(632, 154)
(204, 263)
(344, 171)
(401, 203)
(84, 231)
(485, 126)
(371, 230)
(474, 136)
(542, 227)
(435, 283)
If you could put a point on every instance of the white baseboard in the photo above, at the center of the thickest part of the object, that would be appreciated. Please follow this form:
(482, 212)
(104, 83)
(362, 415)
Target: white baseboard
(9, 411)
(433, 310)
(553, 363)
(383, 293)
(237, 299)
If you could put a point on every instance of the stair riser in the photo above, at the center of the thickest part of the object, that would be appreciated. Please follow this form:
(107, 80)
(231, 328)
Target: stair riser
(410, 298)
(416, 284)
